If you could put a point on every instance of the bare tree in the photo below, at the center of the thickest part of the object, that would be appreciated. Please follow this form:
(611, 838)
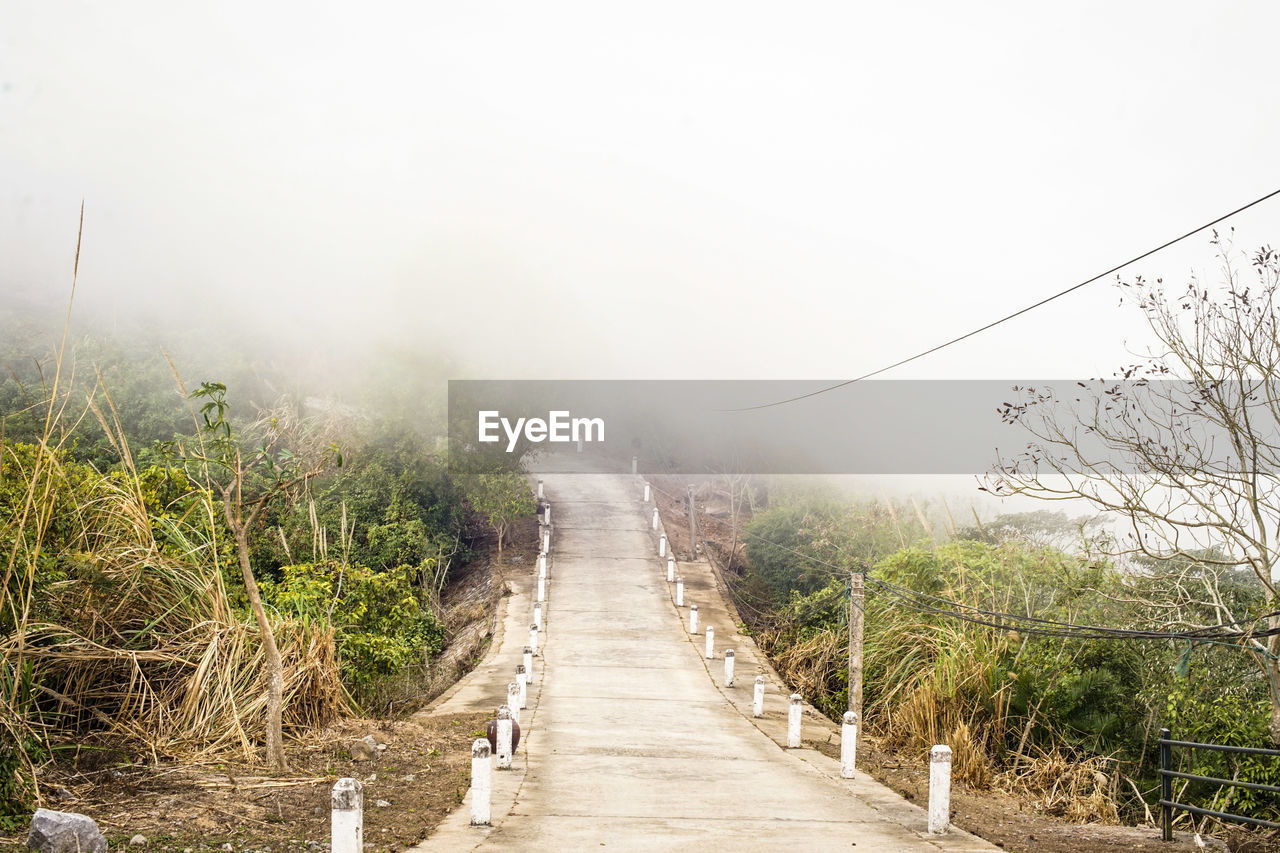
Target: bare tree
(1181, 445)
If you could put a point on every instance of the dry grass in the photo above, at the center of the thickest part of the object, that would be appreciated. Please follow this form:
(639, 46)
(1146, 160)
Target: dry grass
(117, 624)
(137, 644)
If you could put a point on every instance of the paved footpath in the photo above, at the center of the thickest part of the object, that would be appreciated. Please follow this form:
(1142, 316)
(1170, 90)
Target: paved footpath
(631, 740)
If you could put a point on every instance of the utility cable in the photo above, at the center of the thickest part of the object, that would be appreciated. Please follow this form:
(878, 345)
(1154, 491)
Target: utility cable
(1018, 313)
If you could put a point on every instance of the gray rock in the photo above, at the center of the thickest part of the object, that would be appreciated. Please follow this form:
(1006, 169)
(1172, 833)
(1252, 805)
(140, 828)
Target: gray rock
(138, 840)
(365, 749)
(382, 804)
(64, 832)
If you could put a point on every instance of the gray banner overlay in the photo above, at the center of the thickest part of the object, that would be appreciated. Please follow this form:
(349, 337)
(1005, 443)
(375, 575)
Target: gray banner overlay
(870, 427)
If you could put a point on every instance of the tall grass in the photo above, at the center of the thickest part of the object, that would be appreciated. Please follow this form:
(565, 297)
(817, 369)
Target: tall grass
(118, 626)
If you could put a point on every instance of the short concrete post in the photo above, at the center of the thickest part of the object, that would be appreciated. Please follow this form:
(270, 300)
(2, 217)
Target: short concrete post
(679, 592)
(635, 460)
(793, 721)
(848, 743)
(710, 653)
(728, 667)
(939, 789)
(546, 514)
(693, 619)
(513, 700)
(504, 738)
(546, 542)
(757, 699)
(528, 664)
(671, 568)
(522, 683)
(542, 589)
(347, 827)
(662, 545)
(481, 783)
(542, 564)
(646, 492)
(537, 617)
(533, 636)
(654, 522)
(540, 489)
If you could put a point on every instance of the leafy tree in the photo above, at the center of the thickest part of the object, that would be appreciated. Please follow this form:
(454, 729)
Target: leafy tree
(501, 497)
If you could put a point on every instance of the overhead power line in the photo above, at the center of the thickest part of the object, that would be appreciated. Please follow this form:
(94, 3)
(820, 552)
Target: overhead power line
(1018, 313)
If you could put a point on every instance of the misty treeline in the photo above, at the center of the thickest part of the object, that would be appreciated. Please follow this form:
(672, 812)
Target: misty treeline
(1070, 723)
(134, 479)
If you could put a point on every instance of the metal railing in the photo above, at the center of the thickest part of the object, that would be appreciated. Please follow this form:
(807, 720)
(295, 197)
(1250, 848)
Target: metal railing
(1168, 774)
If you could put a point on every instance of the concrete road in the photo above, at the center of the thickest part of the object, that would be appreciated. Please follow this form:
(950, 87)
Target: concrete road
(632, 742)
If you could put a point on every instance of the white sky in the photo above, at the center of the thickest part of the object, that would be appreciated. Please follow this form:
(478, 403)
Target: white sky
(569, 190)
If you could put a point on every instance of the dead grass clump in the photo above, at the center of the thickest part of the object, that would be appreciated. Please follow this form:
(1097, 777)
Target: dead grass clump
(1078, 790)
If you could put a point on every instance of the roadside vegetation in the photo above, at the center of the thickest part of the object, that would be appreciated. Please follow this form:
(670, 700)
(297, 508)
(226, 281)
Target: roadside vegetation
(1070, 724)
(192, 575)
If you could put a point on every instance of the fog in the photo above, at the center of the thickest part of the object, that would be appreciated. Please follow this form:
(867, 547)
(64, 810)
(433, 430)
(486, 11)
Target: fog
(585, 190)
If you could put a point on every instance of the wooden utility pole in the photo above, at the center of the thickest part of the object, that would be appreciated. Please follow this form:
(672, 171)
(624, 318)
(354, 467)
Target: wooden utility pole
(857, 598)
(693, 527)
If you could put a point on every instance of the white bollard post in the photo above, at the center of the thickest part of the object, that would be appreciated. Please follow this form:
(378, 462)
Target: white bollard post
(523, 683)
(481, 783)
(848, 743)
(757, 700)
(646, 492)
(546, 542)
(693, 619)
(513, 701)
(542, 589)
(671, 568)
(793, 721)
(528, 664)
(728, 667)
(537, 618)
(542, 564)
(635, 460)
(533, 636)
(540, 489)
(662, 545)
(347, 827)
(654, 522)
(504, 738)
(546, 514)
(679, 592)
(711, 642)
(939, 789)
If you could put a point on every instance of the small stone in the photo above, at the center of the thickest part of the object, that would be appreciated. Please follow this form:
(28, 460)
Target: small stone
(382, 804)
(409, 777)
(227, 847)
(63, 794)
(364, 749)
(138, 840)
(64, 832)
